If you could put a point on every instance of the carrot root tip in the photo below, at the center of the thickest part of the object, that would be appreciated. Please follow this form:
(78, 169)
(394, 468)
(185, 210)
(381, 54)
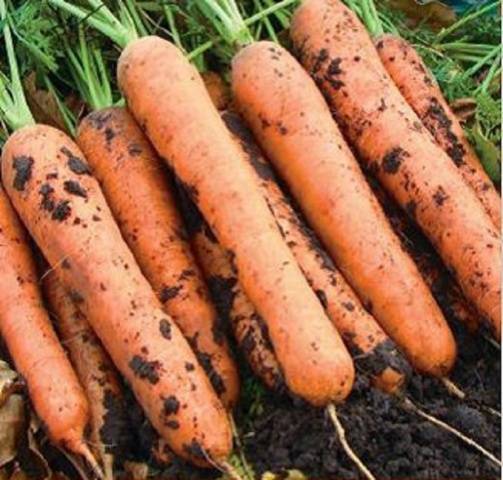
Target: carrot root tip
(453, 389)
(230, 471)
(332, 412)
(410, 405)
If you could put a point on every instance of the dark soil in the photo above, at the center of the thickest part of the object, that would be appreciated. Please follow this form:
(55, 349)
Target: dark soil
(393, 443)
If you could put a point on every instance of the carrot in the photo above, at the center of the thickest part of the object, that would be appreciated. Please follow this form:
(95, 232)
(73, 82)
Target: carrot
(109, 428)
(248, 327)
(64, 209)
(420, 89)
(374, 353)
(167, 97)
(135, 185)
(26, 328)
(307, 149)
(217, 88)
(391, 140)
(442, 285)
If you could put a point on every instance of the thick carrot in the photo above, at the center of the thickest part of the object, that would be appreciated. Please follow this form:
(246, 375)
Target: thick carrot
(248, 327)
(26, 328)
(136, 188)
(168, 99)
(391, 140)
(110, 430)
(374, 353)
(303, 142)
(445, 290)
(423, 94)
(51, 187)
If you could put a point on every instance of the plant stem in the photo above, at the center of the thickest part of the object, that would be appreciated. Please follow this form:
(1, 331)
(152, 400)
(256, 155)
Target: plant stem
(371, 18)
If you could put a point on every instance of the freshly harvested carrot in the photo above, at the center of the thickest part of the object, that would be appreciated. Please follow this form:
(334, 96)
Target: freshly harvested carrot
(420, 89)
(167, 96)
(136, 187)
(217, 88)
(391, 140)
(26, 328)
(374, 353)
(248, 328)
(51, 187)
(445, 290)
(110, 430)
(304, 144)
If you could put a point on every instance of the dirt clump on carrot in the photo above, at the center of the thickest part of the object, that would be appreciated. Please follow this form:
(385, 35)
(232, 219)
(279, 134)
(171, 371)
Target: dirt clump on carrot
(87, 250)
(139, 194)
(420, 89)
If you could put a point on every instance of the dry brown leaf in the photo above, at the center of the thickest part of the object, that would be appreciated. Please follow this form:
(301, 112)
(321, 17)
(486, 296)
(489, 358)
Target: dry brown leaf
(12, 425)
(436, 14)
(464, 108)
(9, 381)
(136, 470)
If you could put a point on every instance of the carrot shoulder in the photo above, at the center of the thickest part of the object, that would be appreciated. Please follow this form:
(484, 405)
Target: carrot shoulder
(374, 353)
(64, 209)
(168, 99)
(304, 144)
(423, 94)
(110, 430)
(137, 190)
(26, 328)
(391, 140)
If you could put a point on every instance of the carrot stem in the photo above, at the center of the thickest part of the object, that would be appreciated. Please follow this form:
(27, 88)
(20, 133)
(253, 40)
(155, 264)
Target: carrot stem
(332, 412)
(371, 18)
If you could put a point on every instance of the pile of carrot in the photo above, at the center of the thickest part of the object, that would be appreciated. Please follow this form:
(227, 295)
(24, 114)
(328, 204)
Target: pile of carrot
(281, 226)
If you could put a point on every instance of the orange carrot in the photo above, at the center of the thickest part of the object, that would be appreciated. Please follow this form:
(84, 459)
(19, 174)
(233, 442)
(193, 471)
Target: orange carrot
(442, 285)
(420, 89)
(109, 427)
(167, 97)
(136, 188)
(374, 353)
(307, 149)
(26, 328)
(391, 140)
(65, 211)
(248, 327)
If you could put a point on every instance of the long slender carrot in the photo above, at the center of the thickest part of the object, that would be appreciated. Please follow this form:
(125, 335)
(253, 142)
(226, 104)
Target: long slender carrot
(248, 328)
(109, 436)
(389, 137)
(63, 207)
(136, 188)
(168, 98)
(420, 89)
(307, 149)
(26, 328)
(445, 290)
(374, 353)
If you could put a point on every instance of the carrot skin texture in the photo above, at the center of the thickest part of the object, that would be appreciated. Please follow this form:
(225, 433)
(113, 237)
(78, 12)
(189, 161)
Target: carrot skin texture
(168, 99)
(418, 86)
(26, 328)
(110, 435)
(248, 328)
(136, 187)
(391, 140)
(444, 288)
(374, 353)
(66, 213)
(307, 149)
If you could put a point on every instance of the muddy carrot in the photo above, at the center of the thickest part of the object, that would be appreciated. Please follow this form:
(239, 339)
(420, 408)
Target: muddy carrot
(167, 97)
(420, 89)
(391, 140)
(248, 327)
(109, 428)
(26, 328)
(374, 353)
(310, 154)
(50, 185)
(444, 288)
(138, 192)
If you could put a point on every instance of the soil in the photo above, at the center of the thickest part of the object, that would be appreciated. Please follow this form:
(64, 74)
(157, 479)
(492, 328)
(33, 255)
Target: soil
(392, 442)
